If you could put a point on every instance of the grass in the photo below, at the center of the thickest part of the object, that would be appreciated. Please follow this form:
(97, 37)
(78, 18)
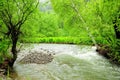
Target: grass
(65, 40)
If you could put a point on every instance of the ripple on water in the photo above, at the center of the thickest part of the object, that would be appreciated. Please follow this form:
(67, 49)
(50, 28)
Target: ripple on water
(71, 62)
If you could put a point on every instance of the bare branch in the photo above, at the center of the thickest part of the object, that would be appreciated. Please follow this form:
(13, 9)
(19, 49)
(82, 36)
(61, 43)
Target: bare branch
(25, 16)
(19, 9)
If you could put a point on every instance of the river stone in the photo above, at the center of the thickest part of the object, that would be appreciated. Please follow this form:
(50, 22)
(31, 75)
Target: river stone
(39, 58)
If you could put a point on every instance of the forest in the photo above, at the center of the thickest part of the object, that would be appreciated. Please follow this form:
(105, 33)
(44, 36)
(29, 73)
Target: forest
(80, 22)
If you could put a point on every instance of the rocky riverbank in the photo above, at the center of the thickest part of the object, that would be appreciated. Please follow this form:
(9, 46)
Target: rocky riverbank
(107, 52)
(39, 58)
(104, 51)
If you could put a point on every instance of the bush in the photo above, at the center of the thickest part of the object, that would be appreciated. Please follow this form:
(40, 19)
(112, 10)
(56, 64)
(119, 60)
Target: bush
(4, 45)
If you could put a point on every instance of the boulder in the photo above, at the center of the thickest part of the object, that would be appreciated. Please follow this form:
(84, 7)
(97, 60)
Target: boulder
(103, 50)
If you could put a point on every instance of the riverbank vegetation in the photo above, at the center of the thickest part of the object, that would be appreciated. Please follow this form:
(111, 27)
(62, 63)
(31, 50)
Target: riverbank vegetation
(81, 22)
(56, 21)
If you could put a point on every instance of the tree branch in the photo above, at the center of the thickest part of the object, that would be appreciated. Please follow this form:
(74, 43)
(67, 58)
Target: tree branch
(25, 16)
(86, 26)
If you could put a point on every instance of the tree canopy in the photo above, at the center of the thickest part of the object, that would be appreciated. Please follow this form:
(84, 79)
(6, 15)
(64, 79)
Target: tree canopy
(13, 14)
(91, 21)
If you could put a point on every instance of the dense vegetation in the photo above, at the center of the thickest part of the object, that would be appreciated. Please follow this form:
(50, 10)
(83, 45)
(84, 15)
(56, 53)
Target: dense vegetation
(77, 21)
(61, 21)
(13, 15)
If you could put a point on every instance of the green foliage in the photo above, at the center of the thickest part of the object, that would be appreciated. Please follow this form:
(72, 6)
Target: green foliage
(4, 45)
(15, 9)
(13, 14)
(64, 24)
(65, 40)
(65, 21)
(97, 14)
(41, 24)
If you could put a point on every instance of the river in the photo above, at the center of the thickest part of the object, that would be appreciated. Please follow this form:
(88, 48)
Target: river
(71, 62)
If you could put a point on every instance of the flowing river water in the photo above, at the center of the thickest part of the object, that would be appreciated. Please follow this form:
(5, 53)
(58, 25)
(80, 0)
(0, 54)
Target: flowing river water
(70, 62)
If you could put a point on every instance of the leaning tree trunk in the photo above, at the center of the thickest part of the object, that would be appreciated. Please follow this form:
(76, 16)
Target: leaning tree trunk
(83, 21)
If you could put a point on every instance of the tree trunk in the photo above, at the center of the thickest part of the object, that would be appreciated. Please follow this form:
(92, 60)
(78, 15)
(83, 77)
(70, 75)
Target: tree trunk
(117, 32)
(14, 50)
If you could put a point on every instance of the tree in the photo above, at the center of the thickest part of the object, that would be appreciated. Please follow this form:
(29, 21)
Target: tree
(13, 14)
(76, 14)
(102, 16)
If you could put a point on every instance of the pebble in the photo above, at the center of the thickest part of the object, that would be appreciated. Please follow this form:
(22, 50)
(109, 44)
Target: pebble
(39, 57)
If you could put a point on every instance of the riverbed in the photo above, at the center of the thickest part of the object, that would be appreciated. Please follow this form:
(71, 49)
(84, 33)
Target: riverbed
(70, 62)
